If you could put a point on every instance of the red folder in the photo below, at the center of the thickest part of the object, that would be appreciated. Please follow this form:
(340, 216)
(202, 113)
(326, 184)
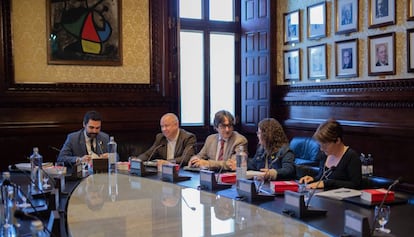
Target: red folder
(376, 195)
(279, 187)
(228, 178)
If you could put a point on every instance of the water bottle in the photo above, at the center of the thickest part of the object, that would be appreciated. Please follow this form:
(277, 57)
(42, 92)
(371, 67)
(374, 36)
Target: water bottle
(370, 165)
(8, 193)
(36, 174)
(36, 228)
(241, 163)
(364, 165)
(112, 155)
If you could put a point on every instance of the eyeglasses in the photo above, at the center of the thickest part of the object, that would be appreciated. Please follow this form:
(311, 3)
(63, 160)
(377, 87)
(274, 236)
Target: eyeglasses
(224, 126)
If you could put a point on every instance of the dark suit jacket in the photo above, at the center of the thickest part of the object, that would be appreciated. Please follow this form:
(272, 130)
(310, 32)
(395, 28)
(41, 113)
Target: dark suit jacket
(75, 146)
(283, 161)
(209, 150)
(185, 148)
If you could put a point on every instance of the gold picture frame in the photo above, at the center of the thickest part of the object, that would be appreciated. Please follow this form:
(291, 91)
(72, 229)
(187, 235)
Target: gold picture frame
(381, 13)
(317, 62)
(316, 20)
(291, 64)
(347, 15)
(346, 63)
(292, 27)
(381, 56)
(83, 34)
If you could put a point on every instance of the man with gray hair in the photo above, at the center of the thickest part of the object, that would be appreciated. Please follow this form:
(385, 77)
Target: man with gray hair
(173, 144)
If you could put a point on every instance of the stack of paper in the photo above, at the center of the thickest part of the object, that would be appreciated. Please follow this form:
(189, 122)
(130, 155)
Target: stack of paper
(339, 193)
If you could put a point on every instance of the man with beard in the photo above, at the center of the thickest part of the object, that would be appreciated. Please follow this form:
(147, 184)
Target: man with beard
(89, 142)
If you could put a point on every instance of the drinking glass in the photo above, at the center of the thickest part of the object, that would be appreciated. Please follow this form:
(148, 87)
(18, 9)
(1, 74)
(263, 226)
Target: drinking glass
(45, 180)
(383, 215)
(258, 182)
(60, 167)
(22, 197)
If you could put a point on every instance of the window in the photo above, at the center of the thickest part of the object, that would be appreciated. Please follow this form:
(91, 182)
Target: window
(208, 59)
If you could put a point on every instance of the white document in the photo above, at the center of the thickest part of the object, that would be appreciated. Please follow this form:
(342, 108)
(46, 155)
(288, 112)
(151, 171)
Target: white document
(339, 193)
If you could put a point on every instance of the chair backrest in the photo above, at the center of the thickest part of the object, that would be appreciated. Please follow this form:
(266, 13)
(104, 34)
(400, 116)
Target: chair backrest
(306, 150)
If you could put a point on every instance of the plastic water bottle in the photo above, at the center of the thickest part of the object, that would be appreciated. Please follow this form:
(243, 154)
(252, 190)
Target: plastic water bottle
(112, 155)
(8, 193)
(370, 165)
(36, 228)
(364, 165)
(36, 174)
(241, 163)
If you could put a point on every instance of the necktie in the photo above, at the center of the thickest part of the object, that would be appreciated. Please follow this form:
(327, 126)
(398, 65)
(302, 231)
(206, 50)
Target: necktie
(221, 151)
(92, 146)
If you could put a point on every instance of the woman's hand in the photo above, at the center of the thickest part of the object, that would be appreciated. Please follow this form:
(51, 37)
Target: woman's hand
(269, 174)
(306, 179)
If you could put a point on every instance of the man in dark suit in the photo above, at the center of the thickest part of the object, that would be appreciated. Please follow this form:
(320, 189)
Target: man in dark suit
(212, 156)
(173, 144)
(346, 58)
(382, 55)
(381, 9)
(87, 143)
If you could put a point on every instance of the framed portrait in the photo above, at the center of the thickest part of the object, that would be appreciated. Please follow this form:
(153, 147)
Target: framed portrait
(317, 20)
(82, 34)
(410, 10)
(292, 27)
(410, 48)
(317, 62)
(346, 16)
(381, 13)
(381, 56)
(346, 62)
(291, 64)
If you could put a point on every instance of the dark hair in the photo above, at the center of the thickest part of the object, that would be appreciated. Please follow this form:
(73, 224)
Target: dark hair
(92, 115)
(272, 135)
(220, 116)
(329, 131)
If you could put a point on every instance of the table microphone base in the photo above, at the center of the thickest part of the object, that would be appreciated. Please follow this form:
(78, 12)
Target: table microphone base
(208, 181)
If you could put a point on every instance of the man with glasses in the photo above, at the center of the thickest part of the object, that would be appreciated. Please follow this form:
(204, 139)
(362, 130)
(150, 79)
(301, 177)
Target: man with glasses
(220, 149)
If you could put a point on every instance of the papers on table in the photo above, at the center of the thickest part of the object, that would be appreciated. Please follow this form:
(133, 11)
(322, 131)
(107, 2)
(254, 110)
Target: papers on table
(339, 193)
(251, 173)
(27, 167)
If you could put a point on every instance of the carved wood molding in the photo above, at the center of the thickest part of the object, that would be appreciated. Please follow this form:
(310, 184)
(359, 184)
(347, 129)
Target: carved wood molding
(373, 94)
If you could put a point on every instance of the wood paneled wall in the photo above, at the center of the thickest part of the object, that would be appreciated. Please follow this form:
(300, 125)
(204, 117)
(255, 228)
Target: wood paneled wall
(378, 118)
(42, 114)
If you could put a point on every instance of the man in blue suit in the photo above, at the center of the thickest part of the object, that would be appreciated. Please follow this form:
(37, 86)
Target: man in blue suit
(89, 142)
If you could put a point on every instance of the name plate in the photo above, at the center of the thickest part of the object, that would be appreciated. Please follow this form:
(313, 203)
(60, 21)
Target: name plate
(356, 224)
(295, 206)
(170, 173)
(137, 167)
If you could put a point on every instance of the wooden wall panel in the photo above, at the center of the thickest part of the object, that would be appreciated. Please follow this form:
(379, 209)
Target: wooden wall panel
(42, 114)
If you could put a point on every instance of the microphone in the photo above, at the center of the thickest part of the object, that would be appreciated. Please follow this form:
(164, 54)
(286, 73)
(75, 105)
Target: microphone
(100, 146)
(153, 151)
(325, 174)
(54, 148)
(383, 201)
(185, 154)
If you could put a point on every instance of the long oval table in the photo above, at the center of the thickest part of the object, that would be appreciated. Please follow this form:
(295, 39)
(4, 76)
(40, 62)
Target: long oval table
(125, 205)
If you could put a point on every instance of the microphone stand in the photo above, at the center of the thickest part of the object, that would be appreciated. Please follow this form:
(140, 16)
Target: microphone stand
(324, 175)
(382, 203)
